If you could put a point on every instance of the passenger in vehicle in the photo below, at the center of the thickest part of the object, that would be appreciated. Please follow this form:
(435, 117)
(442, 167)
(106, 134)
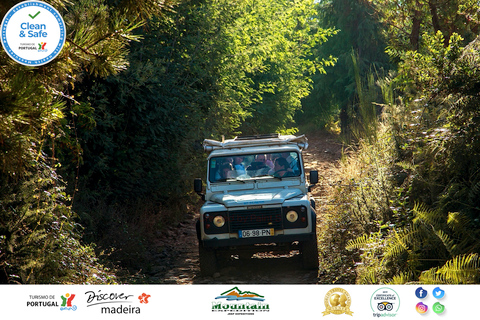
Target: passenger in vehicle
(238, 166)
(269, 161)
(225, 171)
(258, 167)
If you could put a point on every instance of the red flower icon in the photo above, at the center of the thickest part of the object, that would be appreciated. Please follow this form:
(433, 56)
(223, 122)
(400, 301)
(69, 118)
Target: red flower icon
(144, 298)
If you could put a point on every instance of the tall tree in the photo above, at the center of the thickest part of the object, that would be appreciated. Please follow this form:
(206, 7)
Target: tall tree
(358, 33)
(210, 68)
(406, 21)
(37, 226)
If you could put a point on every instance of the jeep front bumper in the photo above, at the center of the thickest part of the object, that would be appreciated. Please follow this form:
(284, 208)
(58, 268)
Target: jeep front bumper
(285, 238)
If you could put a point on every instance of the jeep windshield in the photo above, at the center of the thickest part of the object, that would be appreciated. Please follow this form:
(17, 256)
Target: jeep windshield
(252, 166)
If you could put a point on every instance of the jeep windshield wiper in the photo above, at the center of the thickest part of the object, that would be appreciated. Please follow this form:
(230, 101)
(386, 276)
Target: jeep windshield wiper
(230, 179)
(268, 175)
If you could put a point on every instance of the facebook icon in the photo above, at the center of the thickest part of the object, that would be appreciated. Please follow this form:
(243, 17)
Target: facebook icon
(421, 293)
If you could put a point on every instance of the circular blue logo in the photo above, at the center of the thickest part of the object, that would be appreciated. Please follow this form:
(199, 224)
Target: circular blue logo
(438, 293)
(421, 293)
(33, 33)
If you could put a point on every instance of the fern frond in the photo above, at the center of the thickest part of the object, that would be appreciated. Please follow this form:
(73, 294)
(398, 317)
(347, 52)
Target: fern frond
(474, 193)
(407, 165)
(397, 244)
(370, 277)
(461, 225)
(447, 242)
(430, 276)
(459, 222)
(462, 269)
(425, 215)
(402, 278)
(363, 242)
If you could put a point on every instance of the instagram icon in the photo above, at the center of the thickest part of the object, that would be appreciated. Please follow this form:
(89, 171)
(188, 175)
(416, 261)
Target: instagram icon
(421, 308)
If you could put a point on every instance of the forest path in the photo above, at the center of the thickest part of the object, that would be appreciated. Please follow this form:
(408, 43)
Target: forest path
(176, 259)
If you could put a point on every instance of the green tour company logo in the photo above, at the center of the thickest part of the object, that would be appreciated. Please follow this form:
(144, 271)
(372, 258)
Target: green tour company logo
(33, 33)
(385, 302)
(240, 302)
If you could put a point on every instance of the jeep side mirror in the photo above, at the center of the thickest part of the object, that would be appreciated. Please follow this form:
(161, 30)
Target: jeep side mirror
(197, 185)
(313, 176)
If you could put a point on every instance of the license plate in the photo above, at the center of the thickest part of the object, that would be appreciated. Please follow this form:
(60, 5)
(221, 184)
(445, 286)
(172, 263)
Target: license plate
(256, 233)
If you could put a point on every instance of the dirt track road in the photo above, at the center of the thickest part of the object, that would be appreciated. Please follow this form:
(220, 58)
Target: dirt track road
(178, 257)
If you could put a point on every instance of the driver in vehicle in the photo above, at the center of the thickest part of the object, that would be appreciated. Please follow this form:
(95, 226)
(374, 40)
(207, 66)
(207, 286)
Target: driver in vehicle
(282, 168)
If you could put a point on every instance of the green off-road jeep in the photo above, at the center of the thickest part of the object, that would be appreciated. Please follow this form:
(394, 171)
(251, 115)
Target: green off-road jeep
(256, 195)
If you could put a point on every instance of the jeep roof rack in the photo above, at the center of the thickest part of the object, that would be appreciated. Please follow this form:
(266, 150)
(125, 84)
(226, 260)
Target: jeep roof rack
(258, 140)
(258, 136)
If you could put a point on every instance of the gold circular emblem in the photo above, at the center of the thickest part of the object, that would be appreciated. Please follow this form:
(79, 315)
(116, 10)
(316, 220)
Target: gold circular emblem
(337, 301)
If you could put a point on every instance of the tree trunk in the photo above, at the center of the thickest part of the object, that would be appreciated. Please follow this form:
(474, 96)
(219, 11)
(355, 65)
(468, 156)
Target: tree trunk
(415, 34)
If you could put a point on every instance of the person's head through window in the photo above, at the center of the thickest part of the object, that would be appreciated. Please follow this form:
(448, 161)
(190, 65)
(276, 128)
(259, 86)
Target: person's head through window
(226, 170)
(281, 168)
(260, 158)
(237, 161)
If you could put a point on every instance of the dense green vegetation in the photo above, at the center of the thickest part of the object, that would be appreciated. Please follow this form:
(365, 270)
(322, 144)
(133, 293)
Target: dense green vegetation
(412, 206)
(98, 148)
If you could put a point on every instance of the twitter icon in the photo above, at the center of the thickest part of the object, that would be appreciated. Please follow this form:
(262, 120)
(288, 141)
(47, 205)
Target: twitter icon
(438, 293)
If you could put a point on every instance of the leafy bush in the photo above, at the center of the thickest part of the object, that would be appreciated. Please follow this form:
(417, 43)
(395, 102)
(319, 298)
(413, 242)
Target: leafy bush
(433, 169)
(39, 240)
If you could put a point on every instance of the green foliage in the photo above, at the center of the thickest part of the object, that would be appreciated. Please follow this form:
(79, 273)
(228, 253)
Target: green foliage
(208, 69)
(462, 269)
(279, 37)
(121, 112)
(131, 140)
(407, 22)
(431, 236)
(356, 30)
(39, 240)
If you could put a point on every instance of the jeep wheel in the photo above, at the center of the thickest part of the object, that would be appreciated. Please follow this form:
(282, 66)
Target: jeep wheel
(208, 260)
(310, 254)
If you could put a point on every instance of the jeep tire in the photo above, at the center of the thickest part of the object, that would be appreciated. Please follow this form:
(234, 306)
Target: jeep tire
(208, 260)
(207, 256)
(310, 254)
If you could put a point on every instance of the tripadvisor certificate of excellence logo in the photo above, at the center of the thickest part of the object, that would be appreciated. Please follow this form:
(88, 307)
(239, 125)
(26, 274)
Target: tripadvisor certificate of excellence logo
(33, 33)
(385, 302)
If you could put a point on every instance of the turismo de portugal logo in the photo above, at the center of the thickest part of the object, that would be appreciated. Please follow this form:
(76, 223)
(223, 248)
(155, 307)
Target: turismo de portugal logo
(33, 33)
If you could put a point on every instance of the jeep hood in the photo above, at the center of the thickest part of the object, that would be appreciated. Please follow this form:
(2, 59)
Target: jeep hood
(256, 197)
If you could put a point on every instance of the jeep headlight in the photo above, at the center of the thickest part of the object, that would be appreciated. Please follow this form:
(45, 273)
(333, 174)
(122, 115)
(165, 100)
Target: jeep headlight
(219, 221)
(292, 216)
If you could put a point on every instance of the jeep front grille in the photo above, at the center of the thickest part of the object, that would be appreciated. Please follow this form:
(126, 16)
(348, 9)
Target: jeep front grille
(255, 219)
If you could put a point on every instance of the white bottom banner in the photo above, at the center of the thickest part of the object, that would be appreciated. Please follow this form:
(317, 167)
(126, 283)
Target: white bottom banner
(238, 301)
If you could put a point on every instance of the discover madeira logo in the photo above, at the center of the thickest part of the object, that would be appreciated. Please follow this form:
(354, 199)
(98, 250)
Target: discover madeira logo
(240, 302)
(116, 303)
